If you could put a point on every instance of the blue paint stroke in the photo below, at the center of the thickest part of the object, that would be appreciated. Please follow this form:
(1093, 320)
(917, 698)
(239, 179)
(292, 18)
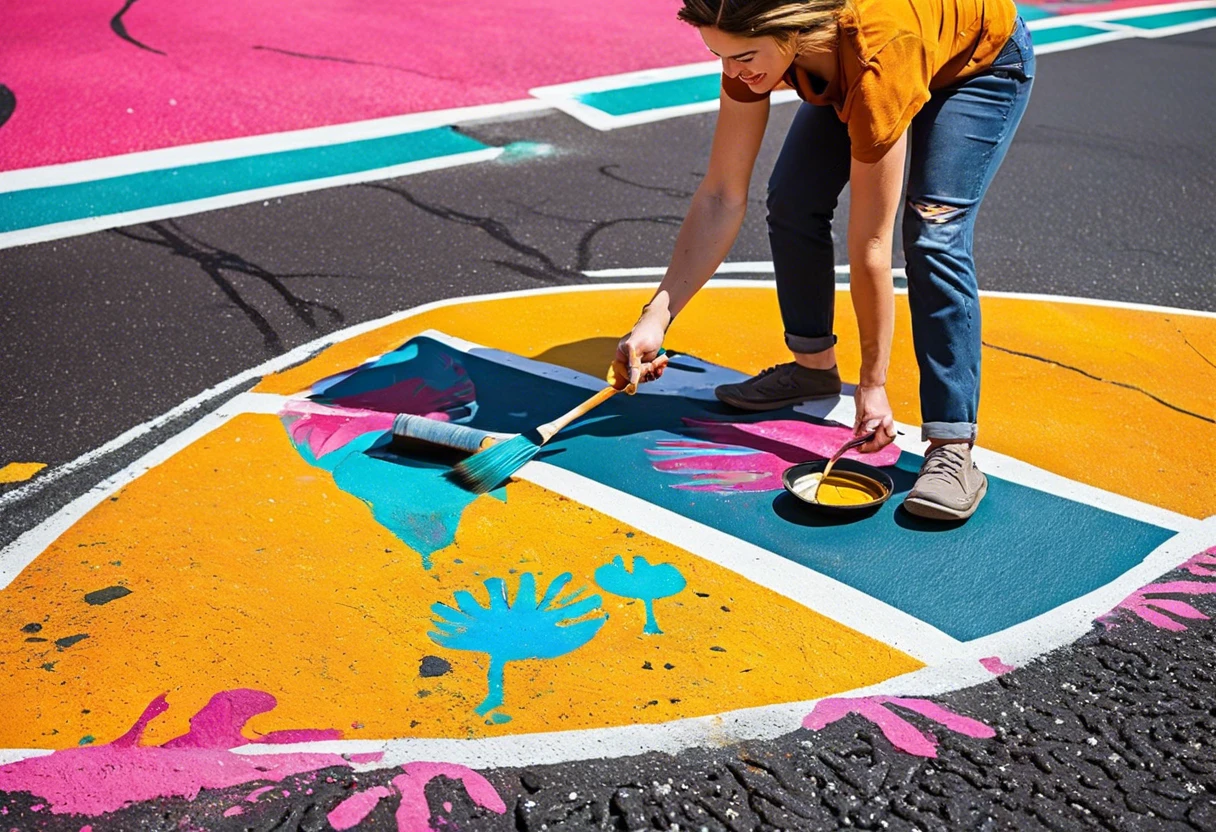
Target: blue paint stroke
(645, 582)
(412, 498)
(509, 632)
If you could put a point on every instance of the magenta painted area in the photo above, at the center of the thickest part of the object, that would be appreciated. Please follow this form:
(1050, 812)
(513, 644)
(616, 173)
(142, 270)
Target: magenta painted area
(1202, 564)
(82, 92)
(413, 815)
(233, 811)
(899, 732)
(91, 780)
(354, 809)
(326, 429)
(742, 456)
(995, 666)
(370, 757)
(253, 796)
(1144, 604)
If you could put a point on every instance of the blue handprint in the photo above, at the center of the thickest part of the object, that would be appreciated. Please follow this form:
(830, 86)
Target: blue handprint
(523, 630)
(645, 582)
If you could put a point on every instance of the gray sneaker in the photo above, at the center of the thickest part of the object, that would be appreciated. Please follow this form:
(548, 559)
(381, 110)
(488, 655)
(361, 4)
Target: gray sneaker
(780, 386)
(949, 486)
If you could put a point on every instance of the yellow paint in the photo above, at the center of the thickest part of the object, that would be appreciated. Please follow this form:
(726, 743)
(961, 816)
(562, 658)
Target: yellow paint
(1091, 431)
(249, 568)
(836, 490)
(20, 471)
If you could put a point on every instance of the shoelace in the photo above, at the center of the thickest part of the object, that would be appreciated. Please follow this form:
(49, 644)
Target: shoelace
(944, 463)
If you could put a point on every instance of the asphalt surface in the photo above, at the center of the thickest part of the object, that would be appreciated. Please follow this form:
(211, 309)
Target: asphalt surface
(1106, 193)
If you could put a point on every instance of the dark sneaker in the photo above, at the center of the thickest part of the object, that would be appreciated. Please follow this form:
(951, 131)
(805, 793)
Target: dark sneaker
(780, 386)
(949, 486)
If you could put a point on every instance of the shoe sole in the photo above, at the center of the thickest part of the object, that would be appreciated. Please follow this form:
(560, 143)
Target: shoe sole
(936, 511)
(744, 404)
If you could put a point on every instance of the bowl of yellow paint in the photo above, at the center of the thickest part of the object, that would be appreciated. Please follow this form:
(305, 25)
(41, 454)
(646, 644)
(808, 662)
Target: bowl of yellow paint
(852, 487)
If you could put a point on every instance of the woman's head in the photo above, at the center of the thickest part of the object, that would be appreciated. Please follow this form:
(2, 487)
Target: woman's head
(758, 39)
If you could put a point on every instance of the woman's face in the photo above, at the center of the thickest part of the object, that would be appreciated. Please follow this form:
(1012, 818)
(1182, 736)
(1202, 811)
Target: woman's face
(758, 62)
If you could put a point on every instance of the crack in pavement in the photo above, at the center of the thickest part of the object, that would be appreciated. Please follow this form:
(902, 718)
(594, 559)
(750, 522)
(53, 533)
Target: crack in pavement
(120, 28)
(215, 261)
(1122, 384)
(353, 62)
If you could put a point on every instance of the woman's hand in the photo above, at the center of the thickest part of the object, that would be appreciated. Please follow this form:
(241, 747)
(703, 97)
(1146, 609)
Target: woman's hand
(873, 414)
(638, 357)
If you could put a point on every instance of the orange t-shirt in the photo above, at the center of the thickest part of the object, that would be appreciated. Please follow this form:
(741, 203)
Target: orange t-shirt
(890, 55)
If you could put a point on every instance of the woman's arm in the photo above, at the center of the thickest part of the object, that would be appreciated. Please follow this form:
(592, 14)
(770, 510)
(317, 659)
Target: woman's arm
(708, 231)
(874, 201)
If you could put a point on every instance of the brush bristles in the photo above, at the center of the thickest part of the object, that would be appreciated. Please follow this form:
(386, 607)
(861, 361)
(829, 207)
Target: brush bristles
(483, 471)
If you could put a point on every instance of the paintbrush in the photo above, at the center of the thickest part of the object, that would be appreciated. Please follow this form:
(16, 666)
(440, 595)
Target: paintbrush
(485, 470)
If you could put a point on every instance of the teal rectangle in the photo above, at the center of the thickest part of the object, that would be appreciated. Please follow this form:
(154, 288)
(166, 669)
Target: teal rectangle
(1162, 21)
(34, 207)
(1059, 34)
(656, 96)
(1030, 13)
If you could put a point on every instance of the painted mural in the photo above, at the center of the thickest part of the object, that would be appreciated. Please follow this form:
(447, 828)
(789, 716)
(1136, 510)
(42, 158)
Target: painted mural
(646, 570)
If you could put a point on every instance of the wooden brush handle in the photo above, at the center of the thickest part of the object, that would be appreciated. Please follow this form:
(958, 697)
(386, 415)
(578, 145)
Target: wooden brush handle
(547, 430)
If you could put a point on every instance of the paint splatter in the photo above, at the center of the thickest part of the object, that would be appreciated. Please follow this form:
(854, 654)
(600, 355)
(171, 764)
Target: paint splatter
(527, 629)
(995, 666)
(899, 732)
(751, 456)
(325, 429)
(645, 582)
(413, 813)
(92, 780)
(1144, 605)
(105, 596)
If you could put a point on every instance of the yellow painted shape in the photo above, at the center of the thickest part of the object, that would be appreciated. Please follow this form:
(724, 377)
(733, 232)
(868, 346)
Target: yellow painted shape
(250, 568)
(20, 471)
(1094, 432)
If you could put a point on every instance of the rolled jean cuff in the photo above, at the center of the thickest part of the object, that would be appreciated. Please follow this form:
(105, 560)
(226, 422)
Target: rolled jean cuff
(805, 345)
(948, 430)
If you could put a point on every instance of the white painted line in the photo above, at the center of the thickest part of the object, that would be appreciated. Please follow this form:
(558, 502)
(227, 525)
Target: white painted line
(73, 228)
(193, 154)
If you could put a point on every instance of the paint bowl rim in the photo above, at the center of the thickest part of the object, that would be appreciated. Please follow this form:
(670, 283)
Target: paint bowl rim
(878, 476)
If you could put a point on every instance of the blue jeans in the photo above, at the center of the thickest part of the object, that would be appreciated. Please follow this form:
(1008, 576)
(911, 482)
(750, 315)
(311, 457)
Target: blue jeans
(957, 141)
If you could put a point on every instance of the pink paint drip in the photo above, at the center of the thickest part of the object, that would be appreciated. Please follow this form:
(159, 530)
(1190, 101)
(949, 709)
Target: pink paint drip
(92, 780)
(233, 811)
(354, 809)
(413, 815)
(369, 757)
(995, 666)
(717, 460)
(1151, 609)
(899, 732)
(253, 796)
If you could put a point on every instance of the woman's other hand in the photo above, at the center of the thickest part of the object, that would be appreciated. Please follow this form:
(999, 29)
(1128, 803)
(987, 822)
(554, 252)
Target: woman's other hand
(873, 415)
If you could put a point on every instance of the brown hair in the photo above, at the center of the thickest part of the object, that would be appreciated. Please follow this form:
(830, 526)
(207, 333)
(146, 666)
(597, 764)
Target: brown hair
(810, 24)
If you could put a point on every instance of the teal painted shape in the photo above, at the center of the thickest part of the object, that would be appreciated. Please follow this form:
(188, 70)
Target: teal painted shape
(645, 582)
(525, 629)
(655, 96)
(1027, 551)
(62, 203)
(1163, 21)
(1059, 34)
(412, 498)
(1030, 13)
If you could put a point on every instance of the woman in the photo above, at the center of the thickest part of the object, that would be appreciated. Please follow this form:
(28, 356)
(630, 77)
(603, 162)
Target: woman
(948, 80)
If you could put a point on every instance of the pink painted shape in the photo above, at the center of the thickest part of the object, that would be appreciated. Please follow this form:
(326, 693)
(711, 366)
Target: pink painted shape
(413, 815)
(253, 796)
(370, 757)
(899, 732)
(1150, 609)
(460, 53)
(712, 461)
(326, 428)
(354, 809)
(233, 811)
(1202, 564)
(94, 779)
(995, 666)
